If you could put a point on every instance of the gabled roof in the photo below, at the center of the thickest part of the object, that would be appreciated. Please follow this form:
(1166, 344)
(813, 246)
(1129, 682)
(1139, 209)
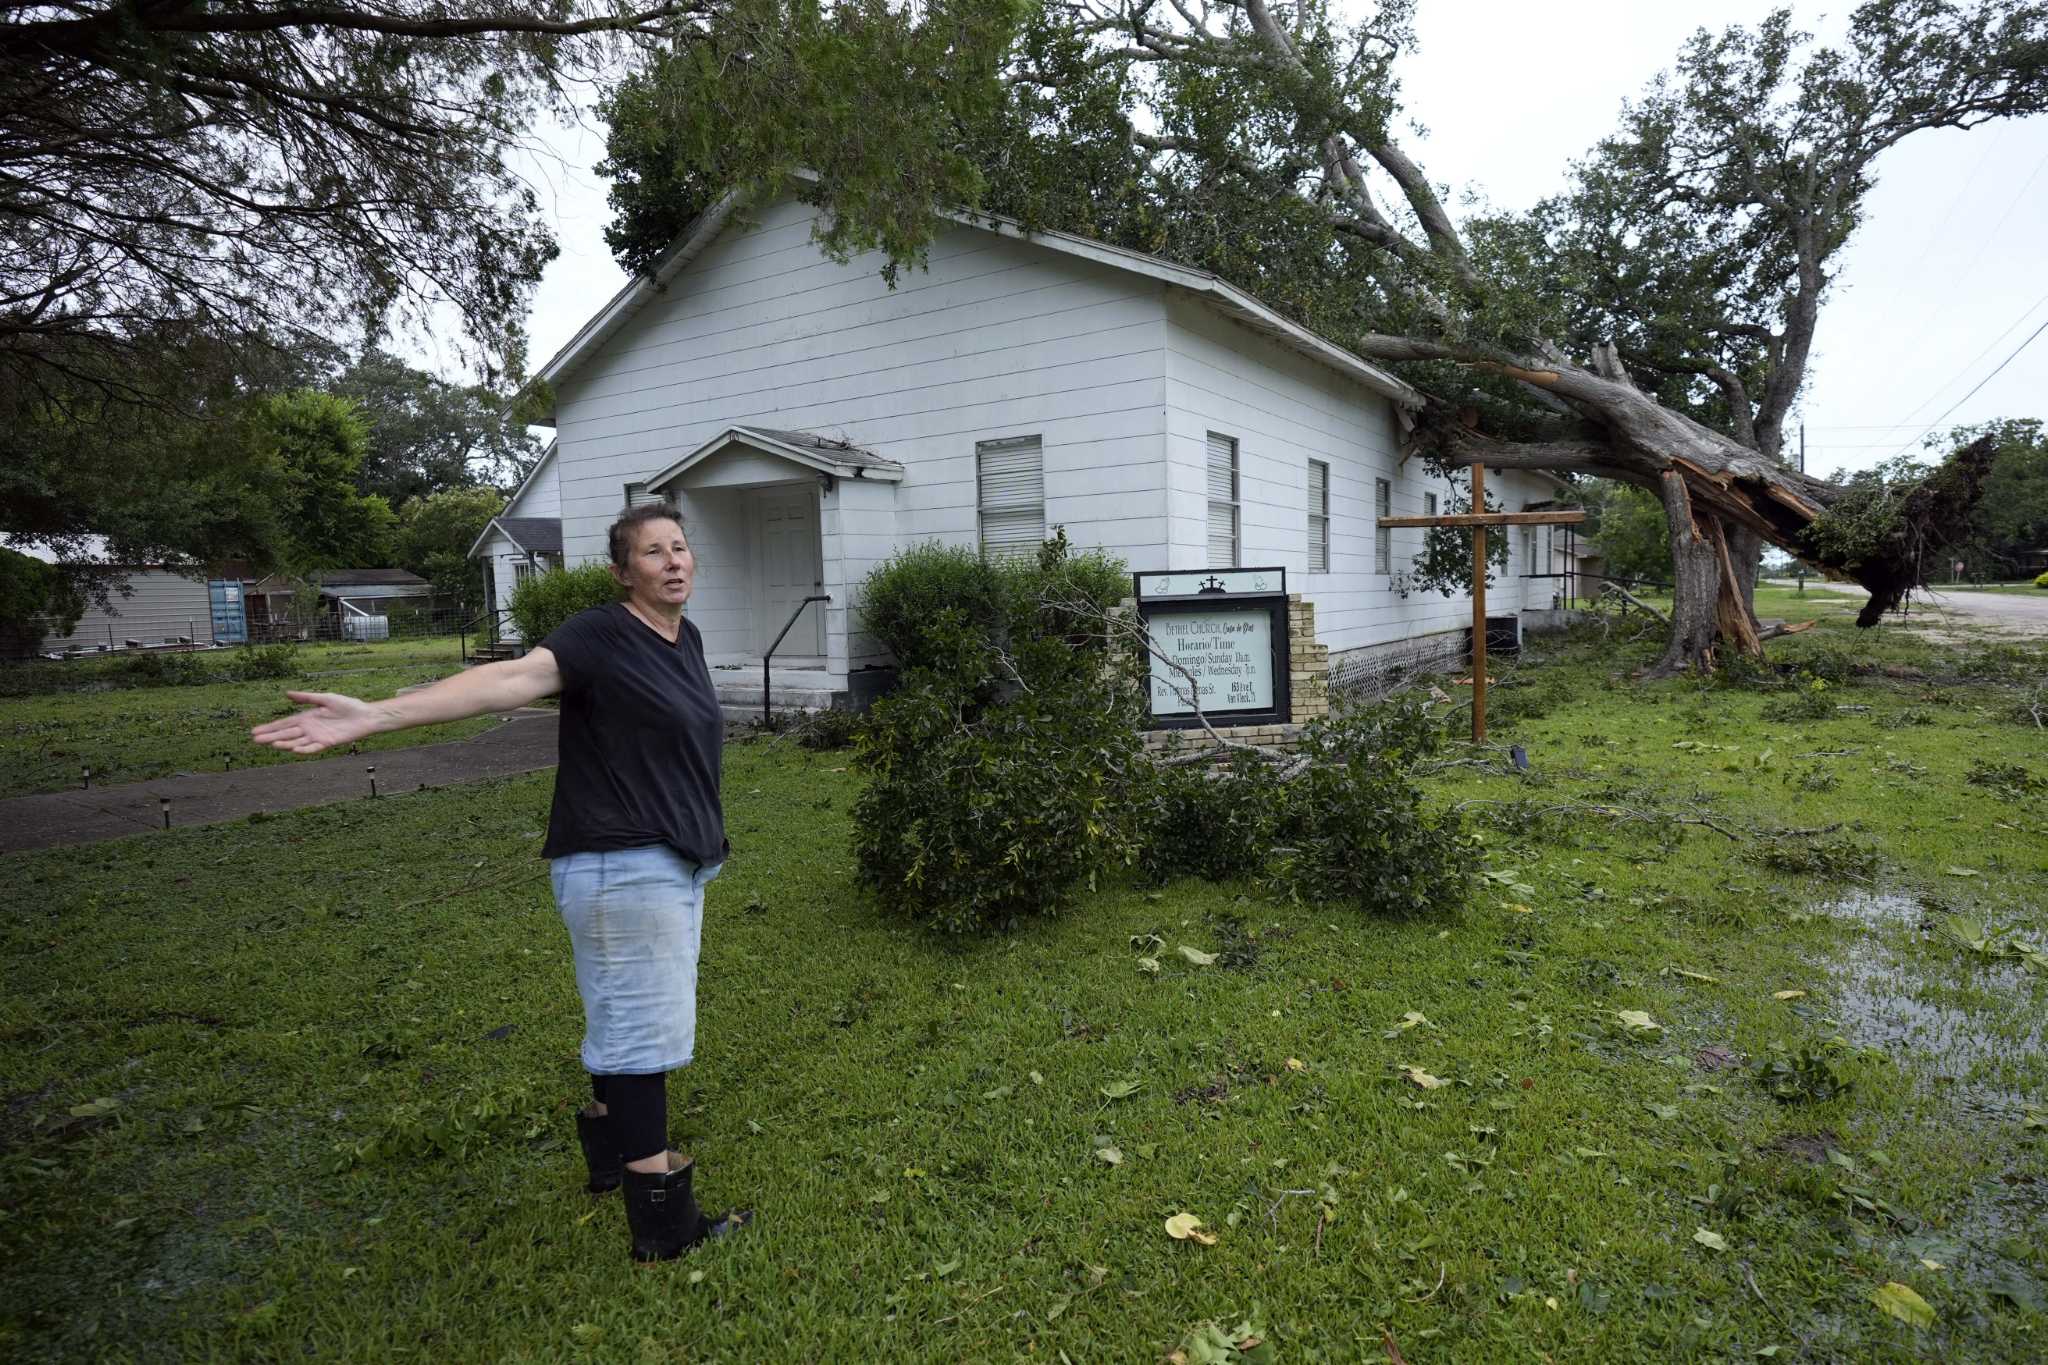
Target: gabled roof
(822, 453)
(1217, 293)
(534, 535)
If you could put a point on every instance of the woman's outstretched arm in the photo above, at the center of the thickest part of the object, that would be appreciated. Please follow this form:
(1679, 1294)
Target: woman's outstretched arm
(333, 719)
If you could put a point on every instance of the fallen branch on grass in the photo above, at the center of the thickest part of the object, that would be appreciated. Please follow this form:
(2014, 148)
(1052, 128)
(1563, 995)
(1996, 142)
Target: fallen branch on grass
(1638, 603)
(1631, 815)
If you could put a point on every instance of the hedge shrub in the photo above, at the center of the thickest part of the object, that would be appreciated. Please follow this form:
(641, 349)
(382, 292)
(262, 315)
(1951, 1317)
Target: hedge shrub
(1001, 772)
(1007, 769)
(545, 600)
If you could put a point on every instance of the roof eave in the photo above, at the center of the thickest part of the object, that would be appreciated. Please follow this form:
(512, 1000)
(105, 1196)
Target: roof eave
(768, 445)
(636, 294)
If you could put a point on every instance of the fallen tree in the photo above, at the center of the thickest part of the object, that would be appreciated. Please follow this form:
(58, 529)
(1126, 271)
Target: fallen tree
(1654, 324)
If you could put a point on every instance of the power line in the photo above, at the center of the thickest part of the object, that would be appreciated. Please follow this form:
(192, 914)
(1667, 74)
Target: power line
(1980, 384)
(2012, 327)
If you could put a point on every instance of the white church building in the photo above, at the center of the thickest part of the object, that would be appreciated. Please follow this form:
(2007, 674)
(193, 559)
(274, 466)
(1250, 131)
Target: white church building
(809, 420)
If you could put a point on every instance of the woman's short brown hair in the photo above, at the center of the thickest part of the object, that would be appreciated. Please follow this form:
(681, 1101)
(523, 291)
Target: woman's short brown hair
(619, 538)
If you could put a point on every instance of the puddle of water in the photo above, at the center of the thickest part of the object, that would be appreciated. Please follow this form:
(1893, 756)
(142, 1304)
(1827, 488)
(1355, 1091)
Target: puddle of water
(1879, 1000)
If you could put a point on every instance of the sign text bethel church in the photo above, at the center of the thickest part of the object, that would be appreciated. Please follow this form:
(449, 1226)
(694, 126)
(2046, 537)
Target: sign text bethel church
(1224, 629)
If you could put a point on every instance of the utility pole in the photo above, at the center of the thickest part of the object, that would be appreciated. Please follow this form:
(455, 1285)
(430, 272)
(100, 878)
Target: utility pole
(1802, 469)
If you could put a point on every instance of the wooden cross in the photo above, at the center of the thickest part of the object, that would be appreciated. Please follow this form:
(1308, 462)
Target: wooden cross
(1477, 520)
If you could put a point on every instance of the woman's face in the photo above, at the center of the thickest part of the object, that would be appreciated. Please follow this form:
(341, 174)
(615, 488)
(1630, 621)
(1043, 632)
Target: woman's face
(659, 568)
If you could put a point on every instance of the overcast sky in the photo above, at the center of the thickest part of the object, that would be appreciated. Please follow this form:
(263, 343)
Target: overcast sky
(1946, 278)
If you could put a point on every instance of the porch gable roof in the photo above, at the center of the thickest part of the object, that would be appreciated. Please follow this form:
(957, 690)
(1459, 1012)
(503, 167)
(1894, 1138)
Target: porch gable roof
(533, 535)
(806, 449)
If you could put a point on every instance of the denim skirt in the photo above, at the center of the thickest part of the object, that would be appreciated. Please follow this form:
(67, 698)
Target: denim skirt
(636, 920)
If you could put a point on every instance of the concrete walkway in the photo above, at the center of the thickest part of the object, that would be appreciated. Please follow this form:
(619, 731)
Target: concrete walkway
(523, 743)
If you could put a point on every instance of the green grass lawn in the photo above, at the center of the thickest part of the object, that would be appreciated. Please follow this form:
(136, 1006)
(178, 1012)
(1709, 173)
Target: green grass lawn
(302, 1088)
(56, 719)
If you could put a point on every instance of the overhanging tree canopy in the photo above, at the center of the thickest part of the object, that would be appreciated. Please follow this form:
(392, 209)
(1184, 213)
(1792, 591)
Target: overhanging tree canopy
(192, 192)
(1653, 325)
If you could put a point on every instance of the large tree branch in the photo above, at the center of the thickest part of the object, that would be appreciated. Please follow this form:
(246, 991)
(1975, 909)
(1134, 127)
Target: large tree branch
(1732, 388)
(80, 35)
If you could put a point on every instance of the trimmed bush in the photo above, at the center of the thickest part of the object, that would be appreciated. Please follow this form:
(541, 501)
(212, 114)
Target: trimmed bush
(970, 825)
(545, 600)
(2042, 581)
(1002, 771)
(903, 600)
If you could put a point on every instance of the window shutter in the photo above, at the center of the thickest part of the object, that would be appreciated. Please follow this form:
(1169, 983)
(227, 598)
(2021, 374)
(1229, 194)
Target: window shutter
(1011, 478)
(1382, 538)
(1223, 511)
(1318, 517)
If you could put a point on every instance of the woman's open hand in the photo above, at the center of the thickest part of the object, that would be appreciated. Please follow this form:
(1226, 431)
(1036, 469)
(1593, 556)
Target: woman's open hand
(330, 719)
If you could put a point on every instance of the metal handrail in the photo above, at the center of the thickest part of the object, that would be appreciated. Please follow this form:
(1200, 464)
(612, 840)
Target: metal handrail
(767, 716)
(496, 618)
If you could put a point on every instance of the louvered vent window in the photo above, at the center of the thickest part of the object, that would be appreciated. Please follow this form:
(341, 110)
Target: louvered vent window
(1011, 475)
(1382, 538)
(1223, 507)
(640, 495)
(1318, 517)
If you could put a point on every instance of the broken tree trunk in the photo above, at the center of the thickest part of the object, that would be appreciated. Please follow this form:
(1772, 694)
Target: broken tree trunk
(1711, 487)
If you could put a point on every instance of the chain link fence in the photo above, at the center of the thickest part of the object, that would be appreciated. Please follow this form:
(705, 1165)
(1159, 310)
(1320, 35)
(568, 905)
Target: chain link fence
(145, 632)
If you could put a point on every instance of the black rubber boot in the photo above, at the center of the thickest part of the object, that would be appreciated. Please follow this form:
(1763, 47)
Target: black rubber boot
(600, 1151)
(662, 1213)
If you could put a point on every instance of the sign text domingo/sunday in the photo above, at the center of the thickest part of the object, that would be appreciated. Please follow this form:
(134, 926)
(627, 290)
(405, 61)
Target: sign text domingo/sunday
(1229, 652)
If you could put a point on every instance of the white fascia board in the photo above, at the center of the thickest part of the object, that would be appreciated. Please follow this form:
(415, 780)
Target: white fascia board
(637, 293)
(492, 528)
(1226, 298)
(816, 460)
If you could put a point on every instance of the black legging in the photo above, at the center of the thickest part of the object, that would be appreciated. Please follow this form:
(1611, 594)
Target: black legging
(638, 1106)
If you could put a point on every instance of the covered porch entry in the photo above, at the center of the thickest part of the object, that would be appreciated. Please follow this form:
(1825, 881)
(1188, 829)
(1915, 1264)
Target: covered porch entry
(761, 508)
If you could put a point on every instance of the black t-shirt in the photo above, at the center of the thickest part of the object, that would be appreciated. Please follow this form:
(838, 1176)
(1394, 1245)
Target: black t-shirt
(640, 740)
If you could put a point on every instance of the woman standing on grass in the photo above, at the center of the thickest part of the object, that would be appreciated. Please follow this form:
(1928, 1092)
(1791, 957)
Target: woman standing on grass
(636, 833)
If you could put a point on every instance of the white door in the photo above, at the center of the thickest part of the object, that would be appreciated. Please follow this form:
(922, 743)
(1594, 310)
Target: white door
(788, 569)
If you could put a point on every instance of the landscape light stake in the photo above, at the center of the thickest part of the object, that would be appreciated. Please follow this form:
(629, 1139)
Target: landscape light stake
(163, 805)
(88, 778)
(372, 771)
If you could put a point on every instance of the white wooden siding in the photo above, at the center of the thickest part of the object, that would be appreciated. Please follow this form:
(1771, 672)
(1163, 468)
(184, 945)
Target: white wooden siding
(997, 339)
(1285, 410)
(542, 496)
(1121, 382)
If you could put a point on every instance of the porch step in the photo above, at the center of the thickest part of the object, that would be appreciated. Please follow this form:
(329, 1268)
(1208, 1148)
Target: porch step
(781, 698)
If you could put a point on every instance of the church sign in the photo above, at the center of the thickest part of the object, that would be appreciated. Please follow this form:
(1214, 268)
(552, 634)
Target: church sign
(1223, 635)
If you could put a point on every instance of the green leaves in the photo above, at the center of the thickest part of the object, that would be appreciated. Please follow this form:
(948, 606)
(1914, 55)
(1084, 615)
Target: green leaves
(1901, 1302)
